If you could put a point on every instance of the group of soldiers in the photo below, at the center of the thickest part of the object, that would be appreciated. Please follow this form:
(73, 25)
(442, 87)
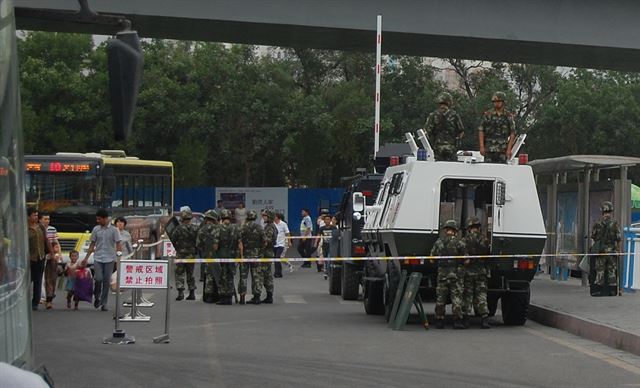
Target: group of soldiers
(217, 237)
(463, 280)
(496, 133)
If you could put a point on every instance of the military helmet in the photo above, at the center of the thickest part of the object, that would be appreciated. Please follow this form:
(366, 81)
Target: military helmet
(251, 215)
(186, 214)
(451, 224)
(211, 214)
(499, 96)
(224, 214)
(269, 213)
(445, 98)
(473, 221)
(606, 207)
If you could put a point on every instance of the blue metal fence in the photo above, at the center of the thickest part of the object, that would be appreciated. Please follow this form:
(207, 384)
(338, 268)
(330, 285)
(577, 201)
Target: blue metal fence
(631, 260)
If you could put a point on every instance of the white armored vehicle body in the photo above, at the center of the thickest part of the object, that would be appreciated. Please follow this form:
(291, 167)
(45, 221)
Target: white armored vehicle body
(417, 197)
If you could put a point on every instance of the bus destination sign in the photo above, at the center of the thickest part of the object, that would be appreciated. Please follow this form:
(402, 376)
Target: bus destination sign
(58, 167)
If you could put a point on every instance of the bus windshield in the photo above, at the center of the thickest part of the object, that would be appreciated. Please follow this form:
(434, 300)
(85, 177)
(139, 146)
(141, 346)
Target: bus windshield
(62, 192)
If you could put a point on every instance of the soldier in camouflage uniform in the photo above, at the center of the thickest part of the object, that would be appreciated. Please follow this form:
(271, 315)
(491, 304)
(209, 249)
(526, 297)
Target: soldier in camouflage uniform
(265, 269)
(606, 239)
(497, 131)
(204, 243)
(226, 241)
(183, 239)
(444, 129)
(252, 242)
(475, 274)
(450, 275)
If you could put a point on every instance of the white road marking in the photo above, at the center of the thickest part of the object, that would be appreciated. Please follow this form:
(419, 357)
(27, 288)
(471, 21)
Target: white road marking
(603, 357)
(297, 299)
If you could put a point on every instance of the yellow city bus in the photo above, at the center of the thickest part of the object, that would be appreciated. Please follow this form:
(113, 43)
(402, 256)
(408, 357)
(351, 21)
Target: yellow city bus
(71, 187)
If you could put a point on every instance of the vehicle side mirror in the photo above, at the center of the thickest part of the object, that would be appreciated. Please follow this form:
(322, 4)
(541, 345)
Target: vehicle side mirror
(358, 202)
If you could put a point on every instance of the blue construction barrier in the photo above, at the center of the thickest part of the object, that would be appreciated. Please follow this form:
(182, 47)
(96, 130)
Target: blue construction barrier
(631, 260)
(199, 199)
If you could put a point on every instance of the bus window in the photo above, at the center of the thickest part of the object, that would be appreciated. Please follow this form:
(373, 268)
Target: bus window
(157, 191)
(131, 191)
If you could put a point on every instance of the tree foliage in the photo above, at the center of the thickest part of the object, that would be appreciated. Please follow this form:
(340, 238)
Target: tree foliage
(227, 116)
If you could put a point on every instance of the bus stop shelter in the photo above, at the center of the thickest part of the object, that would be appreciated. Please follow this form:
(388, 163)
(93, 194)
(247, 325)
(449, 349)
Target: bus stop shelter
(571, 190)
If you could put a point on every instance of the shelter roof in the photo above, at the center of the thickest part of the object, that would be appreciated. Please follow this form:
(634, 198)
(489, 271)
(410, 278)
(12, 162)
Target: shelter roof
(580, 162)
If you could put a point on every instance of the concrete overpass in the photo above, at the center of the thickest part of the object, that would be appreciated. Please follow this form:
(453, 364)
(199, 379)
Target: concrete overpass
(581, 33)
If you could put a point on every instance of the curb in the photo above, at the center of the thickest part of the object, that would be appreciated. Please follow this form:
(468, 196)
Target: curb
(585, 328)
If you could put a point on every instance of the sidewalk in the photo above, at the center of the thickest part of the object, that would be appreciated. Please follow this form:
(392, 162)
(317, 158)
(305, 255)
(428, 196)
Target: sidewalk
(566, 305)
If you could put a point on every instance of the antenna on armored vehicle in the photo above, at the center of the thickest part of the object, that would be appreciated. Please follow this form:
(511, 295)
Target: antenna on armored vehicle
(422, 136)
(516, 147)
(412, 143)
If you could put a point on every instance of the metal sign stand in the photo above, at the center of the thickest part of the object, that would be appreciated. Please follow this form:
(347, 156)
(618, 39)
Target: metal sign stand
(164, 338)
(137, 301)
(119, 336)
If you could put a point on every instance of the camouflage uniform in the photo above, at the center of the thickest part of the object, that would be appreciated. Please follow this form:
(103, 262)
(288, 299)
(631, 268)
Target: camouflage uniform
(204, 243)
(184, 242)
(450, 274)
(444, 127)
(252, 236)
(497, 129)
(606, 236)
(475, 275)
(226, 238)
(264, 270)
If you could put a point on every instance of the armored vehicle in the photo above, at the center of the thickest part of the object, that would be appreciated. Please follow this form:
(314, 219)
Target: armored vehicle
(416, 198)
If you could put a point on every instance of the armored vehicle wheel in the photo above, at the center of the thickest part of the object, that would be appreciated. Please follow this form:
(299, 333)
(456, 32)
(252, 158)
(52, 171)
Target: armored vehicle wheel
(373, 298)
(350, 282)
(492, 303)
(514, 308)
(335, 279)
(391, 281)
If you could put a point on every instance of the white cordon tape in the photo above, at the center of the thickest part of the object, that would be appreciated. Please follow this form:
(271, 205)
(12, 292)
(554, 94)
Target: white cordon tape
(368, 258)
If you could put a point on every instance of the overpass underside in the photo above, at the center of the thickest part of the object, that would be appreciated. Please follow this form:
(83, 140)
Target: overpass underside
(579, 33)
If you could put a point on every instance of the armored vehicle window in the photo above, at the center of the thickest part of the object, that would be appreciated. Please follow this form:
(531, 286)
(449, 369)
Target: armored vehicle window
(396, 185)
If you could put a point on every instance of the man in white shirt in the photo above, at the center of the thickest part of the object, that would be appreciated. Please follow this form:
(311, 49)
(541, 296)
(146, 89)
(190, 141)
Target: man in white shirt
(306, 231)
(240, 214)
(282, 243)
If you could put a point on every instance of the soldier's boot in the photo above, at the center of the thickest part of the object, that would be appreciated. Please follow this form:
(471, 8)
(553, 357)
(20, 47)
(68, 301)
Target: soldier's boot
(439, 323)
(208, 298)
(241, 299)
(484, 323)
(192, 295)
(613, 289)
(255, 299)
(269, 298)
(458, 325)
(465, 321)
(180, 294)
(596, 290)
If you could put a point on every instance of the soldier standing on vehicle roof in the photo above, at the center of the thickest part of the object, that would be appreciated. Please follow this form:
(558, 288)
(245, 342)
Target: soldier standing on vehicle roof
(204, 243)
(450, 275)
(606, 239)
(475, 274)
(226, 242)
(497, 132)
(264, 270)
(183, 239)
(252, 242)
(444, 128)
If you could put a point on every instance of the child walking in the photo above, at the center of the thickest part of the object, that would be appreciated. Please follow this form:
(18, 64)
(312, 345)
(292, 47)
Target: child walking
(71, 270)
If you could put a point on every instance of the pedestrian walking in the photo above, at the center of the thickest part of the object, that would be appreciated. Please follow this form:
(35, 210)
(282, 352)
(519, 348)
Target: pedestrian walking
(39, 245)
(226, 244)
(52, 260)
(183, 239)
(450, 275)
(475, 274)
(444, 129)
(306, 232)
(282, 243)
(251, 247)
(70, 272)
(125, 237)
(606, 239)
(326, 233)
(105, 247)
(497, 132)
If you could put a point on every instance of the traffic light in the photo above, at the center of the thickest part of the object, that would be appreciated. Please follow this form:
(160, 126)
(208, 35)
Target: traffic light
(125, 62)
